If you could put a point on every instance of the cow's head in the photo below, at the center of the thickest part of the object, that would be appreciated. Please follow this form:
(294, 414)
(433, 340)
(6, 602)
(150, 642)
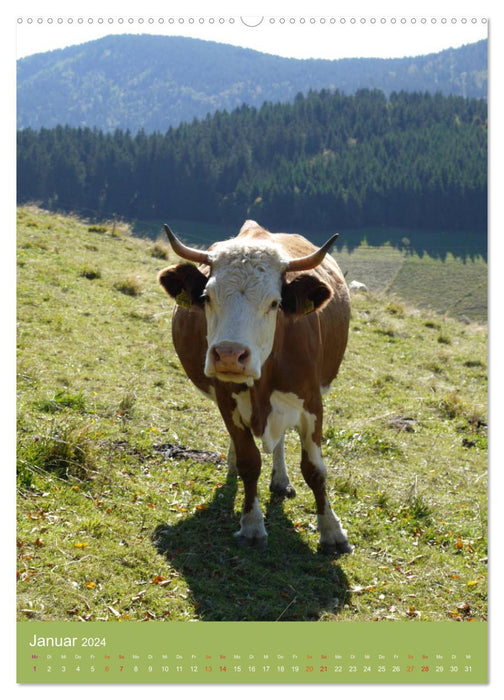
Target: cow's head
(241, 286)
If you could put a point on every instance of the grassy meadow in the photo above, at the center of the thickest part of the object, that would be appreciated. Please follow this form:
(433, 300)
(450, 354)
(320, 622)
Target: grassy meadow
(125, 510)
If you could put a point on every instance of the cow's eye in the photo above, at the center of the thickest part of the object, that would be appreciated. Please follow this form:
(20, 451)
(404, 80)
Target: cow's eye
(274, 304)
(205, 298)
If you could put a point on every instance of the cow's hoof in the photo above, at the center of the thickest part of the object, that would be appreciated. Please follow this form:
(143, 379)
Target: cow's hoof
(336, 547)
(283, 491)
(256, 542)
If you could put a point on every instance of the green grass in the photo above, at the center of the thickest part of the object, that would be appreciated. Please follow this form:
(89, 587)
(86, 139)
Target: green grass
(453, 285)
(111, 528)
(460, 286)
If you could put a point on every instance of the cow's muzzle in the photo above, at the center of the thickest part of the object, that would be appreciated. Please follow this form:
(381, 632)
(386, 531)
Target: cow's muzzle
(230, 362)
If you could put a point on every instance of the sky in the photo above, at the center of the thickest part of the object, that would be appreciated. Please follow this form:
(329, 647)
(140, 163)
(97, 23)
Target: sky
(302, 36)
(304, 30)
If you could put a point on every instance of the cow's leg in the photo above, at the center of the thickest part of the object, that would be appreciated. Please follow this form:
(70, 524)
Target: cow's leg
(248, 465)
(332, 536)
(245, 455)
(231, 459)
(280, 484)
(248, 461)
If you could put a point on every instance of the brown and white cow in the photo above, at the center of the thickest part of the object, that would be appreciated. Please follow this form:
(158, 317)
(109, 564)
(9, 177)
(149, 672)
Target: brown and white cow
(260, 327)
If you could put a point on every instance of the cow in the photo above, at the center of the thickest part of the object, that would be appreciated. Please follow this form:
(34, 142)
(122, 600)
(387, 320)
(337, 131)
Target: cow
(260, 326)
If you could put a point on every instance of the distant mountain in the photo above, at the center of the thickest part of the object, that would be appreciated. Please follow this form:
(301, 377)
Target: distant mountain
(153, 82)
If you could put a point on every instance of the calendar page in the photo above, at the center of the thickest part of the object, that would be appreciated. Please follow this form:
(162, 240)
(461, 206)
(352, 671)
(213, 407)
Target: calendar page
(252, 347)
(253, 652)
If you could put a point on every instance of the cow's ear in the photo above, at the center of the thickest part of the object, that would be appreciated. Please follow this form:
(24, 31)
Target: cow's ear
(185, 283)
(306, 293)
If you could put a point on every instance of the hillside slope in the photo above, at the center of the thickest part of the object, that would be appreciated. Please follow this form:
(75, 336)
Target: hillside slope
(153, 82)
(125, 511)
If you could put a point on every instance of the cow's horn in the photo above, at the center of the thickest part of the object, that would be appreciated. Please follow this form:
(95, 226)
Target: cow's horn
(183, 251)
(312, 260)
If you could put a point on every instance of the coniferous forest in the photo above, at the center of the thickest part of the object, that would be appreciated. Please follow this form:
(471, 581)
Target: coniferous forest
(327, 159)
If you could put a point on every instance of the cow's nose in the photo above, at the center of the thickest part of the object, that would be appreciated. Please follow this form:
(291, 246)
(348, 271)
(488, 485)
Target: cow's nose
(230, 357)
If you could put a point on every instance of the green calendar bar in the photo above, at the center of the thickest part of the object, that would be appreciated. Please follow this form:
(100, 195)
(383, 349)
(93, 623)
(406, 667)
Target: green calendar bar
(252, 652)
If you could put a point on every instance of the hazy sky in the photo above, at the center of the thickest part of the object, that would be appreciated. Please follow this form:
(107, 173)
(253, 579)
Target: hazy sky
(300, 35)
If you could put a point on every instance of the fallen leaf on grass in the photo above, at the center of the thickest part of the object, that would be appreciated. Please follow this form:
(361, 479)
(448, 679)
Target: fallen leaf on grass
(464, 608)
(36, 516)
(462, 613)
(27, 575)
(362, 589)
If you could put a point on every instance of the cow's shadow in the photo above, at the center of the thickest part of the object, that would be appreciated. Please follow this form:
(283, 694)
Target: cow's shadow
(286, 581)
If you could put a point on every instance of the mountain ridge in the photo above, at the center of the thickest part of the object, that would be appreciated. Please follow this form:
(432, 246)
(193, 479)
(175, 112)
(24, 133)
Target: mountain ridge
(151, 83)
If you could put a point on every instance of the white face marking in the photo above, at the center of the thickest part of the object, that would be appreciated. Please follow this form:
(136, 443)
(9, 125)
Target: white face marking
(242, 299)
